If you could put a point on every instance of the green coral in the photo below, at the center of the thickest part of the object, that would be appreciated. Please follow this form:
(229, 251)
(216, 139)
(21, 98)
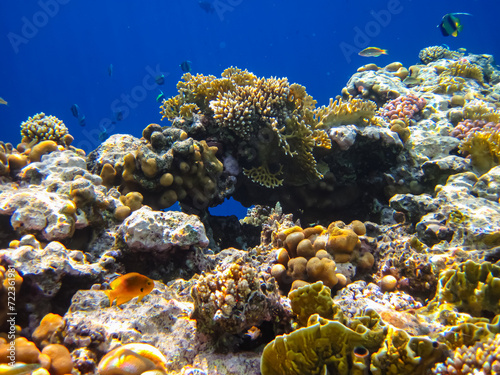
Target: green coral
(473, 288)
(311, 299)
(404, 354)
(324, 343)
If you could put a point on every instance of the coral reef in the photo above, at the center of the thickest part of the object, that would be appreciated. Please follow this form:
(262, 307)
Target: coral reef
(371, 246)
(44, 128)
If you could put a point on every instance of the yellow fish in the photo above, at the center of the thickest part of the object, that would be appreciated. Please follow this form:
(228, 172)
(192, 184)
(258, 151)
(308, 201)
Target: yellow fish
(19, 369)
(3, 101)
(128, 286)
(372, 52)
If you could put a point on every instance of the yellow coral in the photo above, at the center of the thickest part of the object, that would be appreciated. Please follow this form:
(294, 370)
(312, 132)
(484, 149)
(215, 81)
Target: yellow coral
(42, 128)
(484, 150)
(465, 69)
(263, 176)
(339, 112)
(478, 110)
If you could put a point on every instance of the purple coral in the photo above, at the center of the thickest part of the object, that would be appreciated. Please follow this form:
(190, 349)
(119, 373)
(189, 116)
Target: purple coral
(403, 107)
(467, 127)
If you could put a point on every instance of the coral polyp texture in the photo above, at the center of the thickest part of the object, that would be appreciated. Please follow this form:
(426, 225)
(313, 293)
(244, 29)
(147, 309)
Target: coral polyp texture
(371, 245)
(41, 127)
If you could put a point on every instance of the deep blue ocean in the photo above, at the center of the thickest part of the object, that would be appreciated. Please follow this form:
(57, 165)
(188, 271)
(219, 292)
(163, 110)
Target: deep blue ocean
(105, 55)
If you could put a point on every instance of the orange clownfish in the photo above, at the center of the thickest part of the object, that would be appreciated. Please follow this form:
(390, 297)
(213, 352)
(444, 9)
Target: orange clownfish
(128, 286)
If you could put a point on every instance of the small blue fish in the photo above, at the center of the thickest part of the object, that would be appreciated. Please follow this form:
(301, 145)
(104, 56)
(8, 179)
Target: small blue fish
(160, 97)
(103, 134)
(110, 70)
(186, 66)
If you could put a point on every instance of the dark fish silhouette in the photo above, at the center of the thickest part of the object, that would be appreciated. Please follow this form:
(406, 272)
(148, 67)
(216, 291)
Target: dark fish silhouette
(451, 25)
(207, 6)
(119, 116)
(82, 121)
(110, 70)
(75, 110)
(160, 80)
(186, 66)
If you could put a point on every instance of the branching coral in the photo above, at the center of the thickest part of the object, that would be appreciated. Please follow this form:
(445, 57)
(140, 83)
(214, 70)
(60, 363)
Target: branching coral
(483, 148)
(339, 112)
(478, 110)
(433, 53)
(42, 128)
(465, 69)
(274, 117)
(482, 358)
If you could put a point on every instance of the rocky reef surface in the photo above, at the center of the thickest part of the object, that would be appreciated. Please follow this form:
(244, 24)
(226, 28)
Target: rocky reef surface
(372, 245)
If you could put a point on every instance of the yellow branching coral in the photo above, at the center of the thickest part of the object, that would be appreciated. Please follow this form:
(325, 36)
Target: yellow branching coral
(275, 118)
(433, 53)
(465, 69)
(263, 176)
(43, 128)
(478, 110)
(484, 149)
(339, 112)
(447, 85)
(187, 110)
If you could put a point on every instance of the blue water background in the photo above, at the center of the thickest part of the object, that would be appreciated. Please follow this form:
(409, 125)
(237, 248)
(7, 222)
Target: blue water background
(57, 53)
